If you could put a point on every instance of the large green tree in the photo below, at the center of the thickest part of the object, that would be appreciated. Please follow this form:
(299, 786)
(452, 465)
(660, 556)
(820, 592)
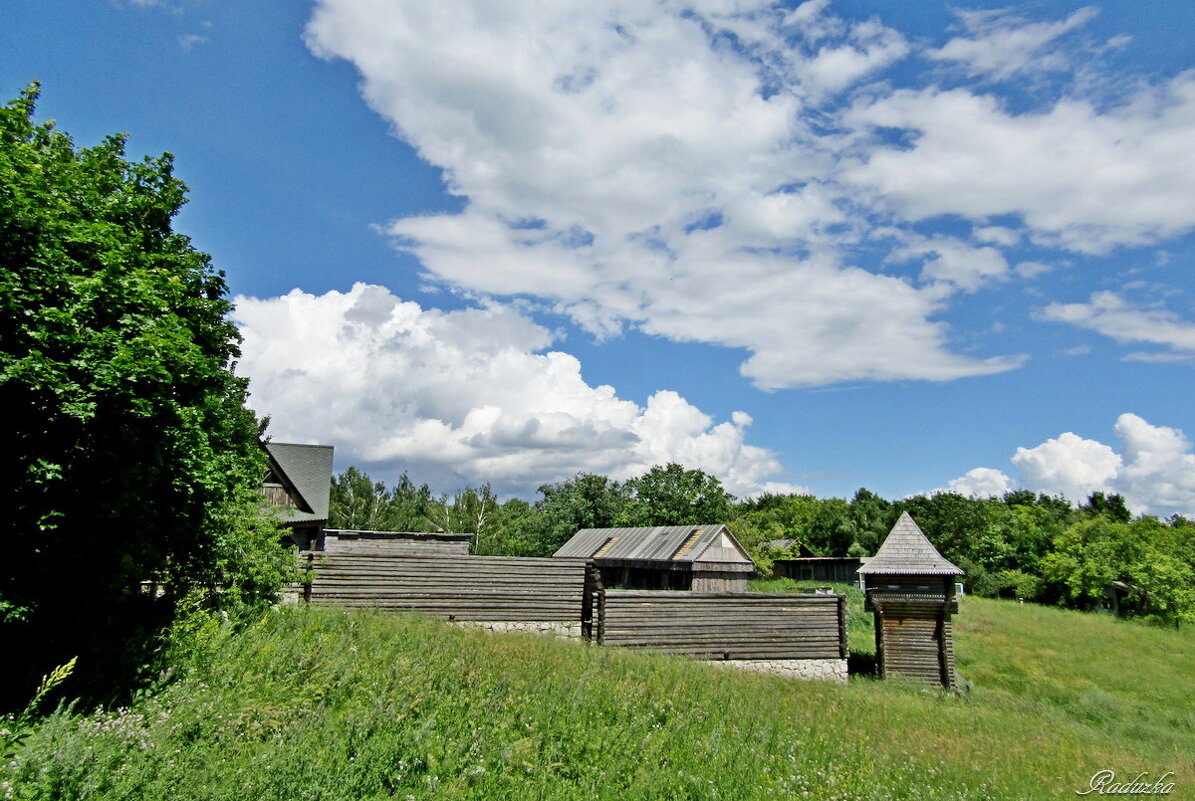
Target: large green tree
(130, 453)
(584, 501)
(671, 495)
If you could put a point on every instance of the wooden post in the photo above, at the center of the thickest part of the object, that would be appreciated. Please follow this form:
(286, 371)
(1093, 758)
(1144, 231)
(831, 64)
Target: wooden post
(879, 626)
(843, 650)
(308, 577)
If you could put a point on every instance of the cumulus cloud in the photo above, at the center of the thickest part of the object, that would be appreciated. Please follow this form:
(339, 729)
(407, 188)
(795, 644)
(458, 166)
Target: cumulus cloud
(668, 166)
(1159, 468)
(1154, 469)
(466, 396)
(1067, 465)
(982, 482)
(696, 168)
(1081, 178)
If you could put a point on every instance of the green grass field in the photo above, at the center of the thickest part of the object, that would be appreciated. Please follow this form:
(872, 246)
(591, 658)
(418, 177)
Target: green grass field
(325, 704)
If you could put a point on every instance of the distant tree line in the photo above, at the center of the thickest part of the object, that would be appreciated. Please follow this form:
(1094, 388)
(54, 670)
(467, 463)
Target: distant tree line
(1034, 547)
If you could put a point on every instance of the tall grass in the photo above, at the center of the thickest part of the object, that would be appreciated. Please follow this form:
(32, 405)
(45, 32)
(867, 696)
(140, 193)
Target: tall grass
(327, 704)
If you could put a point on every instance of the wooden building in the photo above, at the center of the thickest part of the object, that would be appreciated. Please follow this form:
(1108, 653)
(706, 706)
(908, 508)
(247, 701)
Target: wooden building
(298, 484)
(700, 558)
(841, 569)
(910, 589)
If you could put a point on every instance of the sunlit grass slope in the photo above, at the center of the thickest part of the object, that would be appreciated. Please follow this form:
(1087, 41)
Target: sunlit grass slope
(323, 704)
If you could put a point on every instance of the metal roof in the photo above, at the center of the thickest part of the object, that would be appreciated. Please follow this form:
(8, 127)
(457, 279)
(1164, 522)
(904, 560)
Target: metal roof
(908, 551)
(677, 544)
(309, 469)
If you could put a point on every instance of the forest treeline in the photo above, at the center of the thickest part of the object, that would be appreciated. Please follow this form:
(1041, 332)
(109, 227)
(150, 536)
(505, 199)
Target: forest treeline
(1023, 545)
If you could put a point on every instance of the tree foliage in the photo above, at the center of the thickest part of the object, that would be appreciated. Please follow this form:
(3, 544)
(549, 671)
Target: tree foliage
(131, 455)
(673, 496)
(358, 502)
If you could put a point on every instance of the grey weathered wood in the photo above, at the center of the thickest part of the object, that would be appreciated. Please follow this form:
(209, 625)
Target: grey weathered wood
(725, 625)
(499, 589)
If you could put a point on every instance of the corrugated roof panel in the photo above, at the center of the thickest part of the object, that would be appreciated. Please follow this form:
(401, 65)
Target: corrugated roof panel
(655, 544)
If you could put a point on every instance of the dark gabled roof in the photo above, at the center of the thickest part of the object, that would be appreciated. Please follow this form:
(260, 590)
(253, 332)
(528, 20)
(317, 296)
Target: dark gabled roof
(306, 472)
(908, 551)
(677, 544)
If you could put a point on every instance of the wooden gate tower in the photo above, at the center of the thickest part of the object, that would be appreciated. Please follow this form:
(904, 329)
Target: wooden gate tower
(910, 589)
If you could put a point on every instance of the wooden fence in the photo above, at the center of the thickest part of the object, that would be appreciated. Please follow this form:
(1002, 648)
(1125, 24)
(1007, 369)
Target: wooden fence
(394, 543)
(493, 589)
(740, 626)
(466, 588)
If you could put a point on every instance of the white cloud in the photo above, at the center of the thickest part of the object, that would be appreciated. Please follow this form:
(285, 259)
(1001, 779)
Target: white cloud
(665, 186)
(952, 260)
(1154, 470)
(1111, 315)
(1081, 178)
(699, 169)
(1067, 465)
(1159, 469)
(982, 482)
(189, 41)
(465, 397)
(1002, 44)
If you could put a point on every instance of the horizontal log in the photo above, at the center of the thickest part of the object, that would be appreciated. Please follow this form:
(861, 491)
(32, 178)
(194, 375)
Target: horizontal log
(721, 654)
(402, 585)
(448, 600)
(511, 561)
(473, 575)
(779, 649)
(665, 598)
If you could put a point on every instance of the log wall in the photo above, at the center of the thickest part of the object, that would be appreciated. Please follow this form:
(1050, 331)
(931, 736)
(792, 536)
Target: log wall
(487, 589)
(392, 543)
(727, 626)
(914, 637)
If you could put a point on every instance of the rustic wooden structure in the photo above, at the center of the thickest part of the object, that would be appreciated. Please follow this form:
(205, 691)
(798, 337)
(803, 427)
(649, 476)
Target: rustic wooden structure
(910, 589)
(489, 589)
(298, 484)
(393, 543)
(793, 635)
(700, 558)
(841, 569)
(727, 626)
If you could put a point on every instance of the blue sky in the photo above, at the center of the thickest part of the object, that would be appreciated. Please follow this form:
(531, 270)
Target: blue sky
(901, 245)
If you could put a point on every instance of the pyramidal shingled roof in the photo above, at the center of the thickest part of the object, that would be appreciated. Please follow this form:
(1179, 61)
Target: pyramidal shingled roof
(907, 550)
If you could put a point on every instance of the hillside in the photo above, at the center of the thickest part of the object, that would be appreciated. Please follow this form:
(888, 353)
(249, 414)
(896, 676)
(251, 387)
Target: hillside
(322, 704)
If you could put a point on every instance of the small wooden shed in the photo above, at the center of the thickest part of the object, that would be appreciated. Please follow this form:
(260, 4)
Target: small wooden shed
(910, 589)
(842, 569)
(699, 558)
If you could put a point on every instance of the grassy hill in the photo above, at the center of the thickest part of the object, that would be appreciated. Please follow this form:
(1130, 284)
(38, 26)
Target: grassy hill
(323, 704)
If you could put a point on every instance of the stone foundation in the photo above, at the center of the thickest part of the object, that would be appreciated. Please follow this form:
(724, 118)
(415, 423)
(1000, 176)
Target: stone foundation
(558, 628)
(820, 669)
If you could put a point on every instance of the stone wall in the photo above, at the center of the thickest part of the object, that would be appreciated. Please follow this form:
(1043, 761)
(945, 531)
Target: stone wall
(558, 628)
(821, 669)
